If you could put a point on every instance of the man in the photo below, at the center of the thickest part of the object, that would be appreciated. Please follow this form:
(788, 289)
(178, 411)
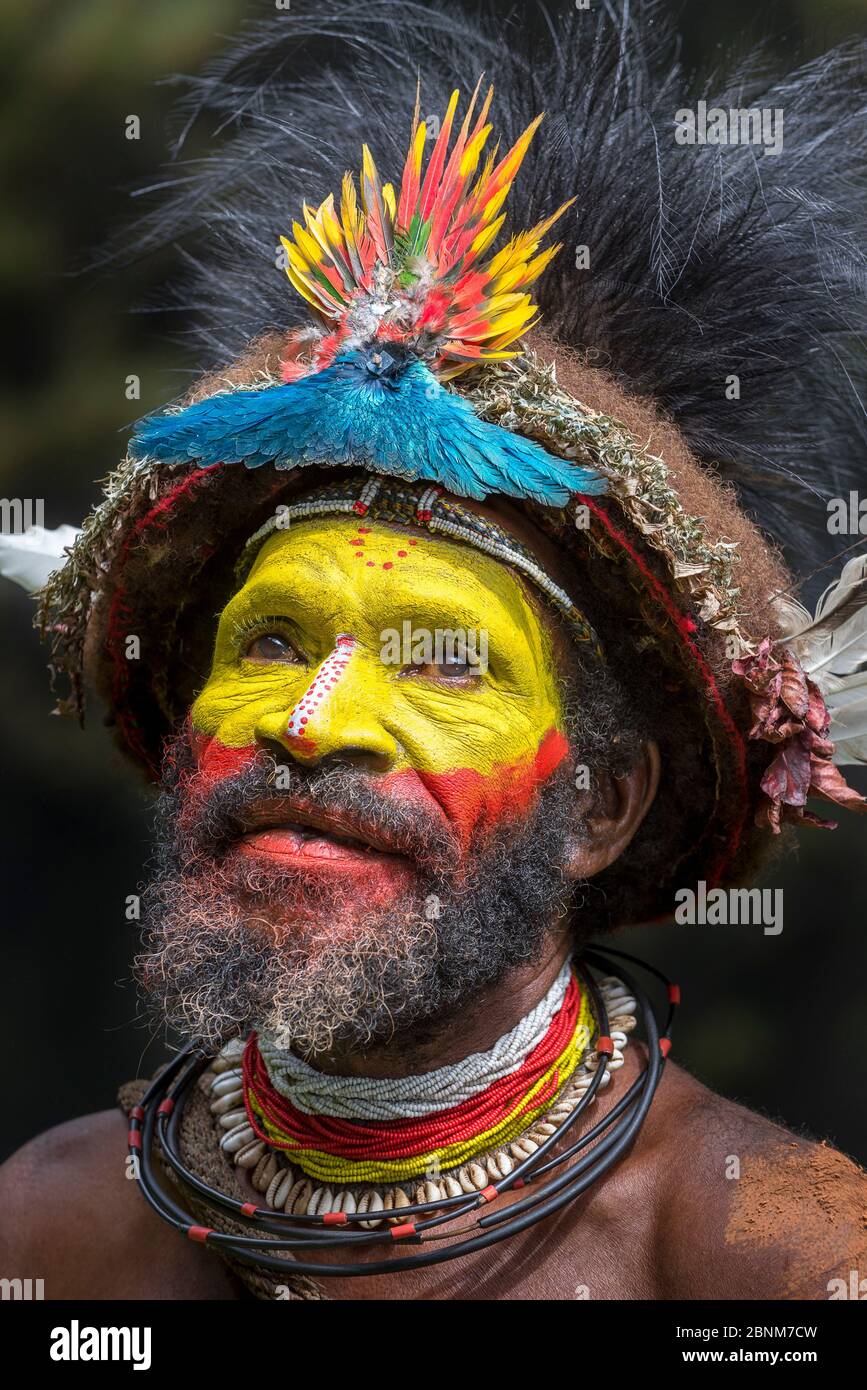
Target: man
(498, 665)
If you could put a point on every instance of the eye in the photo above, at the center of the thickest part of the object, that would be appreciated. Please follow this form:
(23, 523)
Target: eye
(269, 646)
(452, 668)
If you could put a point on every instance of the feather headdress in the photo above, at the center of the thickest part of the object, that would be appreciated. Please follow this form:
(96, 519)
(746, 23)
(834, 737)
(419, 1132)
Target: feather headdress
(410, 267)
(404, 300)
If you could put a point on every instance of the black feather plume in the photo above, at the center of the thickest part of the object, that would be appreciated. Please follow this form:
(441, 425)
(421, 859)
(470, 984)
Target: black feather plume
(705, 261)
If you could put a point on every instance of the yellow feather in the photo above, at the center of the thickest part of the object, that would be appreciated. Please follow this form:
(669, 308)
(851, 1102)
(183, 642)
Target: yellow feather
(508, 255)
(318, 230)
(367, 165)
(514, 323)
(523, 271)
(368, 172)
(506, 338)
(306, 292)
(497, 302)
(472, 154)
(323, 224)
(535, 267)
(418, 147)
(307, 243)
(481, 182)
(516, 155)
(536, 233)
(350, 216)
(486, 236)
(300, 264)
(509, 279)
(331, 227)
(493, 205)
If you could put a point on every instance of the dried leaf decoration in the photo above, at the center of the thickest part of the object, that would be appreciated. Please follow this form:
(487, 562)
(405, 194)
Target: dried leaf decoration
(789, 711)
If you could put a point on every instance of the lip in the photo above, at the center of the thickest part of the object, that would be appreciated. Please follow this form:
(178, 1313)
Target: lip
(289, 830)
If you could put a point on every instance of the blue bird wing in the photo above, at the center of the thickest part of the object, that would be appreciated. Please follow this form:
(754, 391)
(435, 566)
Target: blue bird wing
(475, 458)
(415, 430)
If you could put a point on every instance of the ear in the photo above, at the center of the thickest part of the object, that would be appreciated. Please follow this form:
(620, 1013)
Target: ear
(612, 813)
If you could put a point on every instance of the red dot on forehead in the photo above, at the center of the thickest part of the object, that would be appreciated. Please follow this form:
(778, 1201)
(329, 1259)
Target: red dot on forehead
(402, 554)
(387, 565)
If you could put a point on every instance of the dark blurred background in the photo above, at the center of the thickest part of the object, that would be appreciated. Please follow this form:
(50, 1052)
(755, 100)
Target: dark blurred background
(777, 1022)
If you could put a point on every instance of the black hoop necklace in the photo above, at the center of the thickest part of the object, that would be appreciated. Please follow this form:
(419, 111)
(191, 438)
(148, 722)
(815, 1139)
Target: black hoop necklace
(422, 1225)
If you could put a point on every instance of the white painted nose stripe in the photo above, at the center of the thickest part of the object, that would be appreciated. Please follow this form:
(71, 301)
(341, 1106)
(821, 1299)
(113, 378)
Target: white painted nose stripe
(320, 688)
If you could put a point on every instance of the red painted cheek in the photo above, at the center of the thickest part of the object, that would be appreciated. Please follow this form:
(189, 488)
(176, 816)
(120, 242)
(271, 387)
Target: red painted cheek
(472, 801)
(215, 762)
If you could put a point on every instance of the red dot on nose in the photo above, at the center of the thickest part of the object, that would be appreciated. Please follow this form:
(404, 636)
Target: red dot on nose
(387, 565)
(370, 564)
(402, 554)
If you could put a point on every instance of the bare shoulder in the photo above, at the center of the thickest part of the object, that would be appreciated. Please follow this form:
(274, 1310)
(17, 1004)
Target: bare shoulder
(74, 1218)
(754, 1210)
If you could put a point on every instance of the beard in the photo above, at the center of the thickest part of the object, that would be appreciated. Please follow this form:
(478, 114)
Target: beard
(234, 942)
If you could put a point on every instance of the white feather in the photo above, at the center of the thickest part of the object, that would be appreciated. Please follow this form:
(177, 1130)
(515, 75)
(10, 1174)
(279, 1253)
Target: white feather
(832, 648)
(28, 558)
(847, 705)
(835, 641)
(792, 617)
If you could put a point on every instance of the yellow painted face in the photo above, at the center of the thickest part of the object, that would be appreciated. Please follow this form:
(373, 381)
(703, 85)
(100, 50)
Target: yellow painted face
(420, 653)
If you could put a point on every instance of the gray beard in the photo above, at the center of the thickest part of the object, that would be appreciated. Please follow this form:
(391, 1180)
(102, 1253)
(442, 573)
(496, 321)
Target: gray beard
(231, 944)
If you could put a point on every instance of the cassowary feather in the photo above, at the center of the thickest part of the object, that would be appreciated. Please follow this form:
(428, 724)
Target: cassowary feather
(705, 261)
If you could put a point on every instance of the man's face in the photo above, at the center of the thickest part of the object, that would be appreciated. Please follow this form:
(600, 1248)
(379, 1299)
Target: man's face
(365, 809)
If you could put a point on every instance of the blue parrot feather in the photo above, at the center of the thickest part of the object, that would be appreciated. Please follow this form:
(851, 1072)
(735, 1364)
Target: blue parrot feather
(372, 408)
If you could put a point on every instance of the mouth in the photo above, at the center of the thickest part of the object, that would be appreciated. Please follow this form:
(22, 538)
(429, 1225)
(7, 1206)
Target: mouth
(285, 831)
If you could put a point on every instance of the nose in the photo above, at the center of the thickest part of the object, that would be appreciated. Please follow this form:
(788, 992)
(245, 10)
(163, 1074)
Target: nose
(338, 717)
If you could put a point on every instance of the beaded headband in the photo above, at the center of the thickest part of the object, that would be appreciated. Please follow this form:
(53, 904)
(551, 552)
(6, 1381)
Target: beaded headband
(428, 507)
